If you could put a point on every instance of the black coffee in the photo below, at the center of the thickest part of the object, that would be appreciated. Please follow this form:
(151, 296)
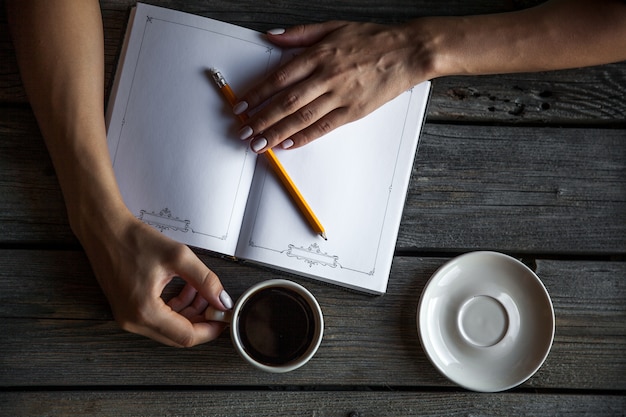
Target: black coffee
(276, 326)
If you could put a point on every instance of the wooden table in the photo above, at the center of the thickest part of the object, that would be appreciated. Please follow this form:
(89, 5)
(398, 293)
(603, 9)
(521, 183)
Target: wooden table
(532, 165)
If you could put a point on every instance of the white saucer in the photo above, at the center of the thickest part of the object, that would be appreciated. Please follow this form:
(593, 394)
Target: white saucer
(486, 321)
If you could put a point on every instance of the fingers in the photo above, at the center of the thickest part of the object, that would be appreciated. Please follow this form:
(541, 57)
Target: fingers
(298, 69)
(347, 71)
(181, 321)
(318, 129)
(302, 35)
(190, 268)
(293, 72)
(306, 92)
(290, 113)
(134, 283)
(183, 299)
(189, 303)
(304, 126)
(170, 328)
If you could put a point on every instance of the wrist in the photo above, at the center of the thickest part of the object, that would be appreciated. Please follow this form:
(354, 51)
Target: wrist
(93, 201)
(436, 52)
(94, 217)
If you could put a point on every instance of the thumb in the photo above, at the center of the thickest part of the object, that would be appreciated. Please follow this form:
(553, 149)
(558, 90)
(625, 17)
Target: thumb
(303, 35)
(206, 282)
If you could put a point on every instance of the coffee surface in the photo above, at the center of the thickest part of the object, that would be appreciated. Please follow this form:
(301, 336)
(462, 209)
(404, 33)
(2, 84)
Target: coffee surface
(276, 326)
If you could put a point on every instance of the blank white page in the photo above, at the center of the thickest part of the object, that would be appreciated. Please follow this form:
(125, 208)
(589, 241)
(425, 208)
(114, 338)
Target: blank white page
(355, 179)
(172, 137)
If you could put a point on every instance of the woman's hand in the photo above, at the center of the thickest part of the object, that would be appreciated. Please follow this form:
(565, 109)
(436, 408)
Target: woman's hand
(133, 263)
(60, 50)
(348, 70)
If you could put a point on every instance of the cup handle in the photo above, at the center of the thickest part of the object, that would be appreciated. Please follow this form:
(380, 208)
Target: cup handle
(213, 314)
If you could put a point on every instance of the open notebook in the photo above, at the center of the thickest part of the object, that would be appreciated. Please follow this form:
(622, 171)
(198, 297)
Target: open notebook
(182, 168)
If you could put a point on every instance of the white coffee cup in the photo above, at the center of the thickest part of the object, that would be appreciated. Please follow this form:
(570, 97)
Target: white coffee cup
(276, 325)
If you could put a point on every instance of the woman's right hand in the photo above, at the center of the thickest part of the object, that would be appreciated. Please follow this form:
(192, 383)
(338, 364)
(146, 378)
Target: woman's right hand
(347, 70)
(134, 262)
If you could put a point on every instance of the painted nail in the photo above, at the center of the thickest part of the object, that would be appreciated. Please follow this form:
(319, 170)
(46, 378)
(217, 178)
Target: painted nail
(288, 143)
(245, 132)
(226, 300)
(277, 31)
(259, 143)
(240, 107)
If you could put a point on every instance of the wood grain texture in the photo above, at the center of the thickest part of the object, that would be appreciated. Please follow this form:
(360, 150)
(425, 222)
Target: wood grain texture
(31, 203)
(541, 190)
(520, 189)
(584, 96)
(528, 164)
(56, 325)
(589, 96)
(305, 404)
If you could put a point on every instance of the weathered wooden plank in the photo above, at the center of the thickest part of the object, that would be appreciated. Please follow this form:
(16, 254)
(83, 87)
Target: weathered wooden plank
(589, 300)
(56, 327)
(294, 404)
(31, 203)
(590, 96)
(522, 190)
(96, 352)
(391, 10)
(542, 190)
(582, 96)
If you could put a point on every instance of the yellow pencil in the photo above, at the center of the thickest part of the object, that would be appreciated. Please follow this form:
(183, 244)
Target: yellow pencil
(278, 168)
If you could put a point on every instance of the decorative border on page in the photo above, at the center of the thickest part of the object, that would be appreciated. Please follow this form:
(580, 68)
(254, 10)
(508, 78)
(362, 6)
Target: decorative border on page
(312, 255)
(164, 220)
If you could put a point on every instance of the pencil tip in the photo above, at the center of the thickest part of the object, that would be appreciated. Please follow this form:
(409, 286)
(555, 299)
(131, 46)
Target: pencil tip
(323, 234)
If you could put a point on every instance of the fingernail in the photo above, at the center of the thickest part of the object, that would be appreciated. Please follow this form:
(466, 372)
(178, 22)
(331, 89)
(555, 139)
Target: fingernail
(245, 132)
(277, 31)
(259, 143)
(288, 143)
(226, 300)
(240, 107)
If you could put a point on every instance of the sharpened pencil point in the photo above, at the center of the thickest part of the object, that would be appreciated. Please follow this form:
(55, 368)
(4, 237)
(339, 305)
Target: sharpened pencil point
(323, 234)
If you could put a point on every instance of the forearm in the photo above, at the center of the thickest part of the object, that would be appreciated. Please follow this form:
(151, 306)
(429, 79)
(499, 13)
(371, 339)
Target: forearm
(59, 46)
(555, 35)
